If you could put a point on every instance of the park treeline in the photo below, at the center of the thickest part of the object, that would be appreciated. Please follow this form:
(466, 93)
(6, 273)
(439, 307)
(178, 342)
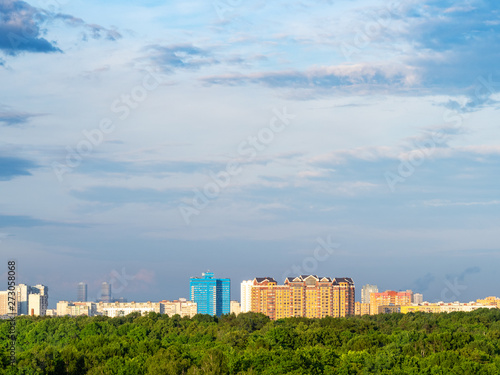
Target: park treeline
(415, 343)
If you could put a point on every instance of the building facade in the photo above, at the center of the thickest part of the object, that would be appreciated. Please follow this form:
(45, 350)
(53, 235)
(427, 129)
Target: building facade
(4, 302)
(76, 308)
(489, 301)
(212, 295)
(444, 307)
(418, 298)
(31, 300)
(366, 290)
(235, 307)
(305, 296)
(51, 312)
(105, 292)
(388, 309)
(36, 305)
(22, 292)
(246, 295)
(389, 298)
(115, 309)
(362, 308)
(180, 307)
(81, 292)
(40, 296)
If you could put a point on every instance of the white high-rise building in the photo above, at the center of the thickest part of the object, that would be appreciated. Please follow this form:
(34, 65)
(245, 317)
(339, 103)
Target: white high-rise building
(246, 296)
(366, 290)
(35, 305)
(38, 300)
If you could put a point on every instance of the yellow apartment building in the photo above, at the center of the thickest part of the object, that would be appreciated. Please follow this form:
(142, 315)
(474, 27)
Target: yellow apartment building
(306, 296)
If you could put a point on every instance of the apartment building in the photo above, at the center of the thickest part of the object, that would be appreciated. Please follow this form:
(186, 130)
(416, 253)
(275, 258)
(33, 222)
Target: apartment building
(441, 307)
(389, 298)
(180, 307)
(305, 295)
(76, 308)
(115, 309)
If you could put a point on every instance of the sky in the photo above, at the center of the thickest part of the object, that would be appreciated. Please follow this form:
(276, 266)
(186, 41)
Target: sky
(145, 142)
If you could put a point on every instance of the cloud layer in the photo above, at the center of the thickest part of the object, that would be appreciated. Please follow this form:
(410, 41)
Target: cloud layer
(20, 29)
(23, 28)
(274, 124)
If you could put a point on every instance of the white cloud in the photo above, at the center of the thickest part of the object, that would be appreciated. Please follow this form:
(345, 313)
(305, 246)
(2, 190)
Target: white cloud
(447, 203)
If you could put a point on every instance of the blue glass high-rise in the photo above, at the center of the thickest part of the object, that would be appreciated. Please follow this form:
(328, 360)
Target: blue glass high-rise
(213, 296)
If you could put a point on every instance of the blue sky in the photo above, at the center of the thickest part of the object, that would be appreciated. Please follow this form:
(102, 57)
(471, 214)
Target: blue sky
(146, 142)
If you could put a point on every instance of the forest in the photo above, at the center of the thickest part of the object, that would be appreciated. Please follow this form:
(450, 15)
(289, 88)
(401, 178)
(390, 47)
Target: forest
(153, 344)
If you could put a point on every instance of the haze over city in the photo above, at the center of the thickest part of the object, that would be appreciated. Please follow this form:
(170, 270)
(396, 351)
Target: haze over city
(144, 143)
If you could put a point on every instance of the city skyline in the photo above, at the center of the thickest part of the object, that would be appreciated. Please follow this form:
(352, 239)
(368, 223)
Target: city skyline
(453, 288)
(451, 293)
(145, 142)
(309, 296)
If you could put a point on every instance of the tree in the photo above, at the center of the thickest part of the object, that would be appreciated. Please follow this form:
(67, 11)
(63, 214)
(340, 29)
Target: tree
(170, 361)
(214, 363)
